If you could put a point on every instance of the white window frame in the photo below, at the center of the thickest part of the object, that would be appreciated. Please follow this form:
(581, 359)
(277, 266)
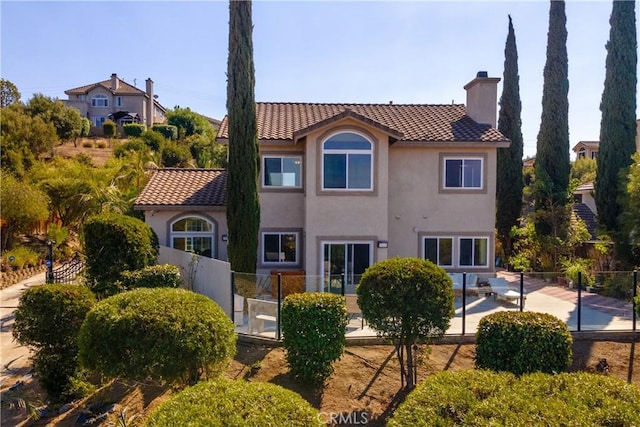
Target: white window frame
(118, 101)
(99, 121)
(193, 233)
(280, 259)
(347, 152)
(99, 97)
(281, 157)
(438, 238)
(473, 240)
(463, 159)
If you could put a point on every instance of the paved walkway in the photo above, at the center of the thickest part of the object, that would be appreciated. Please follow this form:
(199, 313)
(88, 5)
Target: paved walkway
(14, 358)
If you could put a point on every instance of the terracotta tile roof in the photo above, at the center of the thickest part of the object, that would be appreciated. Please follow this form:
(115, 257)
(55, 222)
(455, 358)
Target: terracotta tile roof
(124, 88)
(184, 187)
(413, 123)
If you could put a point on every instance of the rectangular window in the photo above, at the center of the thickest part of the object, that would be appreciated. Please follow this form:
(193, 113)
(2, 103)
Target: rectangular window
(463, 173)
(439, 250)
(281, 248)
(118, 101)
(99, 121)
(344, 263)
(473, 252)
(282, 171)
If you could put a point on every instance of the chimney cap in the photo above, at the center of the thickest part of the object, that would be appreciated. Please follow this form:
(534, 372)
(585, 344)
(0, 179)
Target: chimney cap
(482, 74)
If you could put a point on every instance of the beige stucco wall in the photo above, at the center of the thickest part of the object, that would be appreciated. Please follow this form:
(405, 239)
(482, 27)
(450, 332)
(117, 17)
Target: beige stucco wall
(418, 207)
(160, 221)
(344, 215)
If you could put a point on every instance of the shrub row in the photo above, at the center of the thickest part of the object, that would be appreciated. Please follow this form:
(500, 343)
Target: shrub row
(133, 129)
(152, 276)
(484, 398)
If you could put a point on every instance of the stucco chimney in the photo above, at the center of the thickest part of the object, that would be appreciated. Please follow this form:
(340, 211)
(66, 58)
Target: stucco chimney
(482, 98)
(149, 121)
(114, 81)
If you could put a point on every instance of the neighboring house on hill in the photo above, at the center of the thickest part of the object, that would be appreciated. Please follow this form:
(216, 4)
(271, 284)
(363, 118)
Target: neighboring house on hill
(586, 149)
(584, 207)
(343, 186)
(116, 100)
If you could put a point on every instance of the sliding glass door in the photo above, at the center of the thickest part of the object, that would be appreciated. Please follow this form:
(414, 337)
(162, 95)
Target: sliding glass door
(344, 263)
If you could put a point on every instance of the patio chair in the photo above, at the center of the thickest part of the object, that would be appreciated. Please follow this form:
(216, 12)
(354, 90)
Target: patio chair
(501, 291)
(471, 284)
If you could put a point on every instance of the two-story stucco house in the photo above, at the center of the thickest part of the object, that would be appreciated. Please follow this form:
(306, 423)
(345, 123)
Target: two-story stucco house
(116, 100)
(343, 186)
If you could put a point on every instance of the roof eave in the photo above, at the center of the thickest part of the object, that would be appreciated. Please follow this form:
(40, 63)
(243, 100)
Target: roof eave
(143, 207)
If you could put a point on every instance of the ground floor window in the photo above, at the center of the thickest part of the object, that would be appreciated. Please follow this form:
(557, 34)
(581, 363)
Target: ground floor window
(280, 248)
(193, 234)
(344, 263)
(453, 251)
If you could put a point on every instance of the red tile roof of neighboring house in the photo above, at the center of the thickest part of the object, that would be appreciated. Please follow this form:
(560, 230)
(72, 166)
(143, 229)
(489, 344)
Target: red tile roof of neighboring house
(410, 123)
(184, 187)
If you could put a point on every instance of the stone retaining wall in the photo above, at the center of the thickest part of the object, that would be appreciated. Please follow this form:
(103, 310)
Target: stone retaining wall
(12, 277)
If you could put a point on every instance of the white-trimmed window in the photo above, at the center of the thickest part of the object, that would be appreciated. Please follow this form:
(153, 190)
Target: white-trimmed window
(282, 171)
(473, 252)
(99, 121)
(99, 100)
(463, 172)
(347, 160)
(438, 250)
(118, 101)
(582, 153)
(279, 248)
(193, 234)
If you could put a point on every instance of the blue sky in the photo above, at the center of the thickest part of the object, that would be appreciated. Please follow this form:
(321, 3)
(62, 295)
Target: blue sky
(323, 51)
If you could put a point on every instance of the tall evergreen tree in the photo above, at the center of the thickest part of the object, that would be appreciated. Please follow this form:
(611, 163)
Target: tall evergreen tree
(509, 180)
(618, 107)
(243, 206)
(553, 166)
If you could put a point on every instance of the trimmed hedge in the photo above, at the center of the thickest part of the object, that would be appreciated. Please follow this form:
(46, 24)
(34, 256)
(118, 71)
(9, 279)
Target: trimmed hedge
(235, 403)
(153, 140)
(48, 319)
(133, 129)
(314, 344)
(523, 342)
(169, 335)
(484, 398)
(109, 128)
(153, 276)
(114, 243)
(168, 131)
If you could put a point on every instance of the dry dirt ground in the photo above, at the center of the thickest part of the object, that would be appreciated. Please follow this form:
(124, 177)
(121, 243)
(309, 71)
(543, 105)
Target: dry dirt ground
(99, 156)
(366, 378)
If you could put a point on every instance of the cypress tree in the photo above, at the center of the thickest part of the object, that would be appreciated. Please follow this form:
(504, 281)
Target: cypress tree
(510, 181)
(618, 107)
(243, 206)
(552, 167)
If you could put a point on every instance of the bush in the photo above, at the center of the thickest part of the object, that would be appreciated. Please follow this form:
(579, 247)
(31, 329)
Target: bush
(523, 342)
(579, 265)
(109, 129)
(22, 257)
(114, 243)
(153, 140)
(101, 144)
(168, 131)
(313, 344)
(123, 150)
(86, 127)
(235, 403)
(174, 155)
(153, 276)
(169, 335)
(133, 129)
(87, 144)
(483, 398)
(48, 319)
(408, 300)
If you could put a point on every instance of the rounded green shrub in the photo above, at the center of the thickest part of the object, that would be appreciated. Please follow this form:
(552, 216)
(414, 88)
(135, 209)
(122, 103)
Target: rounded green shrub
(109, 128)
(167, 131)
(131, 145)
(48, 319)
(168, 335)
(485, 398)
(523, 342)
(153, 276)
(235, 403)
(174, 155)
(133, 129)
(313, 328)
(153, 140)
(114, 243)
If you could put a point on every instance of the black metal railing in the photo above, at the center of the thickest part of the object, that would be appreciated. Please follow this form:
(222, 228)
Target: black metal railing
(67, 272)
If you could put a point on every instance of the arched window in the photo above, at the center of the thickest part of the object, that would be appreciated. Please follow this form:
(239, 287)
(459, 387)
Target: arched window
(193, 234)
(347, 162)
(99, 100)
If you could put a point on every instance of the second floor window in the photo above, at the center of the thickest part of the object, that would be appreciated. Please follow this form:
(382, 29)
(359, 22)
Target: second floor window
(99, 100)
(118, 101)
(282, 171)
(463, 173)
(347, 162)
